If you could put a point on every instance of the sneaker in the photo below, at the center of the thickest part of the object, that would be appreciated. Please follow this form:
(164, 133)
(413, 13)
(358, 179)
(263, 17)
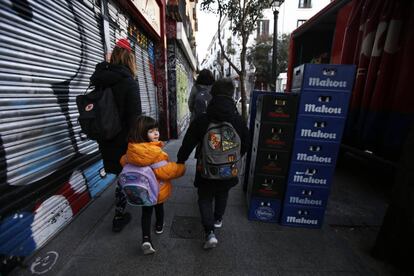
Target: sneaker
(119, 222)
(211, 241)
(147, 248)
(159, 229)
(218, 223)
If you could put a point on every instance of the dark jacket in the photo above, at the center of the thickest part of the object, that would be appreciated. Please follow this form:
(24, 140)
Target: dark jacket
(220, 109)
(126, 94)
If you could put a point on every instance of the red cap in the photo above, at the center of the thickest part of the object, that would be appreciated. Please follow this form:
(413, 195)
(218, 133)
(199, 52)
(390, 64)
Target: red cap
(124, 43)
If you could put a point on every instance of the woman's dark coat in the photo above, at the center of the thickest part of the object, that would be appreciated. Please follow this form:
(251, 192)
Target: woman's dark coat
(126, 93)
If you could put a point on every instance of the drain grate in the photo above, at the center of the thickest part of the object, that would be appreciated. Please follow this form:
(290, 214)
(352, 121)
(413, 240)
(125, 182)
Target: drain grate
(186, 228)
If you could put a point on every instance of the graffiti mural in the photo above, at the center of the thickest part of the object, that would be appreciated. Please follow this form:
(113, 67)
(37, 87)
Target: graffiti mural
(179, 82)
(48, 170)
(172, 88)
(182, 96)
(184, 85)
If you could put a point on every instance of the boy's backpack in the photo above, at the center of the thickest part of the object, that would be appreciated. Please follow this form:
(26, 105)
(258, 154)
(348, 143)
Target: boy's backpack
(98, 114)
(220, 152)
(139, 184)
(201, 100)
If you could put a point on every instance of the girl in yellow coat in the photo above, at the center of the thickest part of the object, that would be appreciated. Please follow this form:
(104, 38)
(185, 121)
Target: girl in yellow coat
(144, 149)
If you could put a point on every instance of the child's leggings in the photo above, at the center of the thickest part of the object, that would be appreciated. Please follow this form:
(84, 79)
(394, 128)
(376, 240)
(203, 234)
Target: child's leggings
(146, 218)
(120, 201)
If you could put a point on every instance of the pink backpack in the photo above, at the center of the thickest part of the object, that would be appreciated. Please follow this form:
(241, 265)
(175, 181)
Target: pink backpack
(139, 184)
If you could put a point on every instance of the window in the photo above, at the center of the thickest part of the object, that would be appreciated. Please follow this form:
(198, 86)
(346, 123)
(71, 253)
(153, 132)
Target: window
(262, 28)
(300, 22)
(305, 4)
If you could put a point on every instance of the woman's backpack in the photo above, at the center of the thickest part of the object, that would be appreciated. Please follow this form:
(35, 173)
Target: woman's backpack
(98, 114)
(201, 100)
(139, 184)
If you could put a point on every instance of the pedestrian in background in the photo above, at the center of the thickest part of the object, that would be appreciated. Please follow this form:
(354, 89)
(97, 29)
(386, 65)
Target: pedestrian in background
(119, 74)
(200, 93)
(221, 109)
(145, 149)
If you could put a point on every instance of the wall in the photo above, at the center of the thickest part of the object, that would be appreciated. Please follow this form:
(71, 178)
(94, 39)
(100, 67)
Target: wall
(180, 81)
(184, 85)
(121, 25)
(49, 171)
(289, 14)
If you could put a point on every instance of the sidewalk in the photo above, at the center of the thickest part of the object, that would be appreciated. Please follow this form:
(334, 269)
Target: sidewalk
(88, 246)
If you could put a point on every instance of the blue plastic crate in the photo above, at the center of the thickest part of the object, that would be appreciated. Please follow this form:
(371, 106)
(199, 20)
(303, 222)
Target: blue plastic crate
(306, 196)
(316, 152)
(310, 174)
(319, 128)
(324, 77)
(264, 209)
(301, 216)
(324, 103)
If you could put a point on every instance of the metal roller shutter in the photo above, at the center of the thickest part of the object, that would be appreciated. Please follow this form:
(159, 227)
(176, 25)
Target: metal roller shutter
(48, 50)
(121, 26)
(184, 85)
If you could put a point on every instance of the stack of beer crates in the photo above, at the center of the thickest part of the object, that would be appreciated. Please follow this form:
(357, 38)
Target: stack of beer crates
(325, 91)
(251, 122)
(274, 127)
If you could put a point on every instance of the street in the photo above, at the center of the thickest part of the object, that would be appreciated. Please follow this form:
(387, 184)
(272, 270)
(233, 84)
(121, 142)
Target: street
(88, 246)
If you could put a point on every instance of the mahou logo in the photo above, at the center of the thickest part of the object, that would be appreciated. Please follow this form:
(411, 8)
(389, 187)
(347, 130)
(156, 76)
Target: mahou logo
(317, 134)
(317, 82)
(301, 220)
(264, 213)
(298, 178)
(313, 108)
(313, 158)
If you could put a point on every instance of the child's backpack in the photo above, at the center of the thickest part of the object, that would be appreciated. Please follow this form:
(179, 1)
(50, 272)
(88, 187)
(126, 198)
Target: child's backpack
(139, 184)
(201, 100)
(220, 152)
(98, 114)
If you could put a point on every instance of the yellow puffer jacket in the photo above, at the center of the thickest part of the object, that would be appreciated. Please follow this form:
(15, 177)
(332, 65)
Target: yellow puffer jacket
(145, 154)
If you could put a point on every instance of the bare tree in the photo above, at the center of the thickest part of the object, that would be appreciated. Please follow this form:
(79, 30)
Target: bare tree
(243, 16)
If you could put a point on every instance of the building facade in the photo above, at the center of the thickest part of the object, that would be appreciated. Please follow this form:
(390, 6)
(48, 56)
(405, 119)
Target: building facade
(182, 65)
(49, 170)
(292, 14)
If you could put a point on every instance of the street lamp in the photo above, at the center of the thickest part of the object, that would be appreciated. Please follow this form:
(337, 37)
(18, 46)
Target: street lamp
(275, 8)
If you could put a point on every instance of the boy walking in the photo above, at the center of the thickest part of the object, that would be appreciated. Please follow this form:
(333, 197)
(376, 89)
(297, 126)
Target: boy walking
(222, 138)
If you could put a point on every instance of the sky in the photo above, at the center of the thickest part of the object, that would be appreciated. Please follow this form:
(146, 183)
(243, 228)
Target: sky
(207, 27)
